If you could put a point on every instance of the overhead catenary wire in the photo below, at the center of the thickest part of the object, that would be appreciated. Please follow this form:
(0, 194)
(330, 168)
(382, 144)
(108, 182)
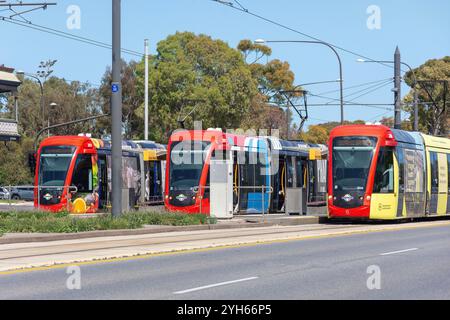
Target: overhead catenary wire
(371, 91)
(384, 83)
(67, 35)
(356, 86)
(244, 10)
(348, 102)
(380, 115)
(378, 84)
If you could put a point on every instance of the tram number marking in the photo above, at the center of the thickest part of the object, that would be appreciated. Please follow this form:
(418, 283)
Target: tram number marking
(382, 207)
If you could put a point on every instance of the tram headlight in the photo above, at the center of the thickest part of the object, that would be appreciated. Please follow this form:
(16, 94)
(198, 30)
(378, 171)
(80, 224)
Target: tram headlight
(367, 200)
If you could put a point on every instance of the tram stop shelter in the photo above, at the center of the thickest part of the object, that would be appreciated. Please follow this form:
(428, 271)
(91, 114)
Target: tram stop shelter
(9, 84)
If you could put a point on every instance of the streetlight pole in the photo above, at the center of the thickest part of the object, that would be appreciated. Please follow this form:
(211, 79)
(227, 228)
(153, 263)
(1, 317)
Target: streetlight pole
(116, 112)
(416, 110)
(416, 101)
(52, 105)
(288, 121)
(341, 79)
(146, 91)
(41, 87)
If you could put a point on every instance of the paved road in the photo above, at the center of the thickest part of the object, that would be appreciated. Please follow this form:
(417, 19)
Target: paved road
(413, 264)
(22, 206)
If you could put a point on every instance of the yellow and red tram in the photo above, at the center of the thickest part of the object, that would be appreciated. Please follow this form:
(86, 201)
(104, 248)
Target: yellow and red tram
(375, 172)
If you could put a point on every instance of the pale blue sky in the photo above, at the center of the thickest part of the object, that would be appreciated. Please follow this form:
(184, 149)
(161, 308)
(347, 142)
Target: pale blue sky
(421, 29)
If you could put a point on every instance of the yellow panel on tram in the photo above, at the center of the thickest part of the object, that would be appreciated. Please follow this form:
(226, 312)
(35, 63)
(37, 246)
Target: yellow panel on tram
(383, 206)
(443, 184)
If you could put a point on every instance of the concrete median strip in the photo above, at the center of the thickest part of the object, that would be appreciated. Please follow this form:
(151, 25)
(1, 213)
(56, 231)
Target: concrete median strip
(237, 223)
(19, 257)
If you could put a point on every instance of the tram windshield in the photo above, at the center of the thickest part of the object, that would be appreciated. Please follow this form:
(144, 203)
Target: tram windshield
(54, 164)
(352, 157)
(187, 160)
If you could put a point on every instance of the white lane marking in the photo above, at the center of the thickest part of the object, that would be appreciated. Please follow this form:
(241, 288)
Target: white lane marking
(215, 285)
(400, 251)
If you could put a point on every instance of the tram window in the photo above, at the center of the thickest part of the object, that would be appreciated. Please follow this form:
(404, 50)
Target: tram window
(220, 155)
(434, 170)
(384, 175)
(401, 169)
(448, 173)
(260, 174)
(253, 175)
(352, 159)
(130, 173)
(186, 164)
(413, 171)
(299, 172)
(207, 186)
(290, 173)
(82, 175)
(54, 165)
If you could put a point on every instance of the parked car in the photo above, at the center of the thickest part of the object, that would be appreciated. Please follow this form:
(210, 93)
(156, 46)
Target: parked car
(4, 194)
(22, 193)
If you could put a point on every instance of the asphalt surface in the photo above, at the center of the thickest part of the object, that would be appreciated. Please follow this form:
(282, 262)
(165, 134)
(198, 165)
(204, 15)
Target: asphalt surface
(22, 206)
(413, 264)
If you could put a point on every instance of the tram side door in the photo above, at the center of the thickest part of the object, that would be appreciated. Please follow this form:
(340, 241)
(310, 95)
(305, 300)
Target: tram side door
(102, 181)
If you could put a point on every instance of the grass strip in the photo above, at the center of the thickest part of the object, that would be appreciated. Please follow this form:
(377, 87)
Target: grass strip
(45, 222)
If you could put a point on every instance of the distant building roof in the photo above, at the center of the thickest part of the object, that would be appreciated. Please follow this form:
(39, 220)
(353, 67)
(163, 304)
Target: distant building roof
(8, 130)
(8, 80)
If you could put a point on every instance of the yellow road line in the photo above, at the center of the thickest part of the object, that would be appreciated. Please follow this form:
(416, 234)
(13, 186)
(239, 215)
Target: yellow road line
(219, 247)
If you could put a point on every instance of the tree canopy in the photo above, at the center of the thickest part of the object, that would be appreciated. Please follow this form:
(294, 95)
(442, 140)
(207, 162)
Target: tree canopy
(433, 95)
(196, 74)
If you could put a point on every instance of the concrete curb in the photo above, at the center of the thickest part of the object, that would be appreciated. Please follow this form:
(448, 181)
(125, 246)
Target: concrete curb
(249, 223)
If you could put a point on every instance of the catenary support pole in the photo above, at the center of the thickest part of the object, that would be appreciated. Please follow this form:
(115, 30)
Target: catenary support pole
(397, 90)
(116, 111)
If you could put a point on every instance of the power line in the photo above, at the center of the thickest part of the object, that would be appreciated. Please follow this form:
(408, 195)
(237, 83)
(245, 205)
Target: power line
(34, 7)
(379, 107)
(66, 35)
(369, 87)
(370, 91)
(231, 5)
(348, 103)
(318, 119)
(357, 86)
(365, 90)
(380, 115)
